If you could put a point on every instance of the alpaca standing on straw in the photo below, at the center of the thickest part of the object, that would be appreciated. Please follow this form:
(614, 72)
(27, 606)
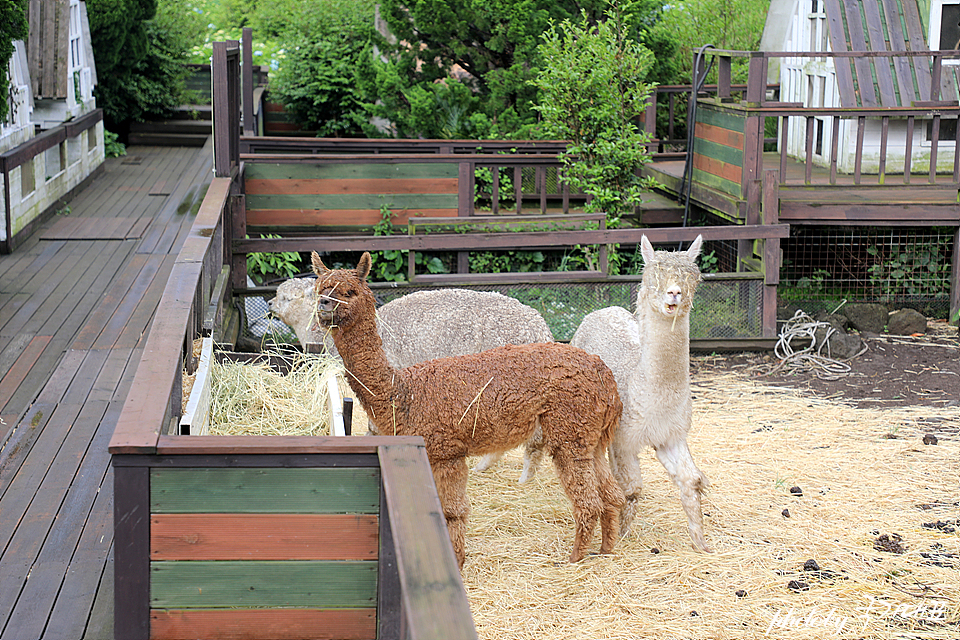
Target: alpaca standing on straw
(483, 403)
(649, 354)
(426, 325)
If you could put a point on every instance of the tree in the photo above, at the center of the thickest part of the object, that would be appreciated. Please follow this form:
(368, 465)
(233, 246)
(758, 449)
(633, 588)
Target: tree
(592, 92)
(487, 46)
(726, 24)
(13, 26)
(140, 49)
(326, 46)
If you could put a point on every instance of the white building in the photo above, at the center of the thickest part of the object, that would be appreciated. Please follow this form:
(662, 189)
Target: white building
(52, 139)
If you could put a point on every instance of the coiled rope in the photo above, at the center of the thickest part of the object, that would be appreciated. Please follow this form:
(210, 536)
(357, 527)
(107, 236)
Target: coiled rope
(802, 326)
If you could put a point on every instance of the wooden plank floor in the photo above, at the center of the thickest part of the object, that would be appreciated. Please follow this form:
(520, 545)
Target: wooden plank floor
(76, 301)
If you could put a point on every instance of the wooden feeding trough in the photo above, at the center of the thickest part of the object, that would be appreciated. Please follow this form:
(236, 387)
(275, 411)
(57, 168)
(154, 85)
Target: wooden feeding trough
(199, 416)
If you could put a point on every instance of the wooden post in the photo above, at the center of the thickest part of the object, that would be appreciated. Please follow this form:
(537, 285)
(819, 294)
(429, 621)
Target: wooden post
(745, 248)
(221, 129)
(756, 79)
(650, 122)
(723, 78)
(131, 552)
(955, 281)
(465, 190)
(389, 604)
(238, 226)
(247, 69)
(771, 253)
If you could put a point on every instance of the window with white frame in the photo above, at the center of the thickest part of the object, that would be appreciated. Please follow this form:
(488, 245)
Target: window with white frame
(76, 52)
(944, 36)
(818, 26)
(945, 26)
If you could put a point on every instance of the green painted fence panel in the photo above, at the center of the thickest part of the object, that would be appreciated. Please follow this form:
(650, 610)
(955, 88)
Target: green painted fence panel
(722, 119)
(412, 201)
(253, 490)
(717, 183)
(336, 171)
(295, 584)
(719, 152)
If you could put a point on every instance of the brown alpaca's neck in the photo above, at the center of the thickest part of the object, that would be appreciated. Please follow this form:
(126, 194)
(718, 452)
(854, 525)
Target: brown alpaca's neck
(369, 374)
(665, 348)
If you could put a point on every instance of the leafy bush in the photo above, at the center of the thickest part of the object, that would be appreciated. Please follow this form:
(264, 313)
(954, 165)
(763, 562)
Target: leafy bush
(326, 47)
(141, 49)
(272, 265)
(12, 27)
(112, 146)
(592, 91)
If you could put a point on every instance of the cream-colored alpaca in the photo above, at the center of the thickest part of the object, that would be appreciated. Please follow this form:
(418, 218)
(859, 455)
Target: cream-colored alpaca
(483, 403)
(649, 354)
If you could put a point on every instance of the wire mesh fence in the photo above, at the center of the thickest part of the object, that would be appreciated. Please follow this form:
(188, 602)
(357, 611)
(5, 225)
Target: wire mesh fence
(822, 267)
(723, 308)
(900, 267)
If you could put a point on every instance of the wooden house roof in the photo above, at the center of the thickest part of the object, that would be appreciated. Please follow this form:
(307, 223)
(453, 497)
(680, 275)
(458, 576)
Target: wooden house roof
(48, 47)
(883, 25)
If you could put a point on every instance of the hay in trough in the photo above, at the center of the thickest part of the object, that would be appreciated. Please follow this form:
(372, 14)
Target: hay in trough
(254, 399)
(865, 546)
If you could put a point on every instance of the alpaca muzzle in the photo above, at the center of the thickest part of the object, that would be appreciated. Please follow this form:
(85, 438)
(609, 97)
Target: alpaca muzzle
(326, 306)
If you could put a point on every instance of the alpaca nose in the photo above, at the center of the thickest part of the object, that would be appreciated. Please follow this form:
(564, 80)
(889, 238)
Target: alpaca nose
(674, 294)
(326, 302)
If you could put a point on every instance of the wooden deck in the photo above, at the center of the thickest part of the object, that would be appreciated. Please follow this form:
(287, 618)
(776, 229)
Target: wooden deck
(832, 200)
(75, 304)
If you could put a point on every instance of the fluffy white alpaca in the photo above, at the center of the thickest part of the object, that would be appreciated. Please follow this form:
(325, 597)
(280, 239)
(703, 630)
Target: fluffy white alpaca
(649, 354)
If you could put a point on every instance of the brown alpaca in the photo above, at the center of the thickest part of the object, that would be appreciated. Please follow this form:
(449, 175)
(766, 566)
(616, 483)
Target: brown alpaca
(483, 403)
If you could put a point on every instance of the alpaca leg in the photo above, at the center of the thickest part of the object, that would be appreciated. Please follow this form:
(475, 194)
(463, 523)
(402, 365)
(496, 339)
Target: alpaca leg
(626, 469)
(450, 477)
(579, 481)
(676, 459)
(532, 455)
(487, 461)
(613, 500)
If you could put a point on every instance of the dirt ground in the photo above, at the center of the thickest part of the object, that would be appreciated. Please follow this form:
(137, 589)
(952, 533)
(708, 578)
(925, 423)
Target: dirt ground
(894, 371)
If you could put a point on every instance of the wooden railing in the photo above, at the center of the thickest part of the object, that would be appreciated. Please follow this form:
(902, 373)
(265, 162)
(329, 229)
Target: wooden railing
(23, 155)
(813, 134)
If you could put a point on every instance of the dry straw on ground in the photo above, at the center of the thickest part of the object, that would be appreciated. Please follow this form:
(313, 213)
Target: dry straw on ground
(869, 486)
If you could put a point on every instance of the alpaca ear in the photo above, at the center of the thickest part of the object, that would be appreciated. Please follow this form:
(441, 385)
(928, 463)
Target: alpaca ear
(694, 249)
(318, 267)
(363, 267)
(646, 250)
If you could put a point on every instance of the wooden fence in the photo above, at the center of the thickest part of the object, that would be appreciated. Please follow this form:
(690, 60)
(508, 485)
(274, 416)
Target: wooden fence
(179, 573)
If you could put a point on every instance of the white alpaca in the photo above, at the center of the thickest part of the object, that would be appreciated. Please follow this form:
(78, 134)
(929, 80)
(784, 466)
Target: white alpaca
(649, 354)
(423, 325)
(426, 325)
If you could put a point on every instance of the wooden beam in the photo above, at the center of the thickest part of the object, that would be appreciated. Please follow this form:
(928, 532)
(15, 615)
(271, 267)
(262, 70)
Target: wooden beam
(520, 240)
(434, 600)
